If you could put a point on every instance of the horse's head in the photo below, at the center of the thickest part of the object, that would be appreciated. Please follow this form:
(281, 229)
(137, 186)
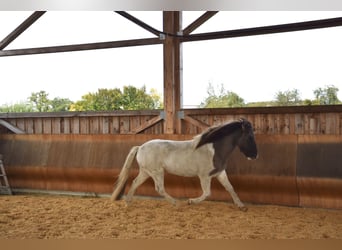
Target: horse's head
(246, 142)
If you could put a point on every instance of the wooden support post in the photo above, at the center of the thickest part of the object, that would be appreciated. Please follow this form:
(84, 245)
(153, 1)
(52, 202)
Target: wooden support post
(173, 71)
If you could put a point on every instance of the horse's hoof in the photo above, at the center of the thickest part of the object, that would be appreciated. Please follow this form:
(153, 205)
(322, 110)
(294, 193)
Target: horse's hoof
(190, 202)
(128, 202)
(243, 209)
(178, 204)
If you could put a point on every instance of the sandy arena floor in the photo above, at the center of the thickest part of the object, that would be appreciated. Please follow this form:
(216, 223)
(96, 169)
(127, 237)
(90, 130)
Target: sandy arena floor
(54, 217)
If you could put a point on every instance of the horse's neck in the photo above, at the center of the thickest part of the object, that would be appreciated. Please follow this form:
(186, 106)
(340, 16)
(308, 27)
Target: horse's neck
(226, 146)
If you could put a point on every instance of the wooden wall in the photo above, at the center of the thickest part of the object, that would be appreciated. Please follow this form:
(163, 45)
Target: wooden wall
(116, 122)
(302, 120)
(295, 170)
(299, 152)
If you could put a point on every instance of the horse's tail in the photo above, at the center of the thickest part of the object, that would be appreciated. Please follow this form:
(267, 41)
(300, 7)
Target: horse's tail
(123, 176)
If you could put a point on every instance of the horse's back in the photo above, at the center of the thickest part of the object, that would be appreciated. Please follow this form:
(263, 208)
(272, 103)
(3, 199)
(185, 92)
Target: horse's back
(176, 157)
(159, 148)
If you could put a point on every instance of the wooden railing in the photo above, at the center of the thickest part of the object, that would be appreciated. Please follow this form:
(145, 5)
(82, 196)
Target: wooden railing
(266, 120)
(116, 122)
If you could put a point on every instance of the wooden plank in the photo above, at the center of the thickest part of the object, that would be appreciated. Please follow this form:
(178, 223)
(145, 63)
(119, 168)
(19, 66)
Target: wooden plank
(84, 125)
(292, 124)
(196, 122)
(38, 125)
(94, 125)
(104, 125)
(312, 125)
(47, 126)
(9, 126)
(257, 124)
(321, 123)
(277, 124)
(271, 123)
(66, 125)
(146, 125)
(29, 126)
(287, 124)
(330, 123)
(56, 125)
(306, 123)
(204, 119)
(124, 125)
(263, 123)
(134, 122)
(114, 125)
(299, 124)
(75, 125)
(20, 123)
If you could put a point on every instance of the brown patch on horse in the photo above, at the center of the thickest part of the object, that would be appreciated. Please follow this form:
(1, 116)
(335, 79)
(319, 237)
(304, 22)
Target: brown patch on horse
(215, 134)
(218, 137)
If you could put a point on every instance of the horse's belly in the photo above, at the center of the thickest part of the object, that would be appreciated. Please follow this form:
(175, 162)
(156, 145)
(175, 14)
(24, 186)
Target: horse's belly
(182, 165)
(181, 171)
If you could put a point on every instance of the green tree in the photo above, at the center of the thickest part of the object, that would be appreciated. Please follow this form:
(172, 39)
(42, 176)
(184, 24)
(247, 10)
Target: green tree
(60, 104)
(288, 98)
(220, 98)
(131, 98)
(157, 101)
(326, 95)
(134, 99)
(86, 103)
(40, 101)
(17, 108)
(106, 99)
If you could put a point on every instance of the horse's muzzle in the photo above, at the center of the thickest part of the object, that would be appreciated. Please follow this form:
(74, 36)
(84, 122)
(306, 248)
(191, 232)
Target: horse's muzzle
(253, 157)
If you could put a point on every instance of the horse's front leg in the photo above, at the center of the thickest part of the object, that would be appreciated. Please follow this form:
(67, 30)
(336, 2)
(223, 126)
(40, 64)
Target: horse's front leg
(205, 184)
(223, 179)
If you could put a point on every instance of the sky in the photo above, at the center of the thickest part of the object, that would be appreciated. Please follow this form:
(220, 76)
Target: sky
(254, 67)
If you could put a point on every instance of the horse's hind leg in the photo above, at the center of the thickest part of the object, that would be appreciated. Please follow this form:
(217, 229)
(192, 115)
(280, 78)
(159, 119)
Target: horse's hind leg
(140, 179)
(205, 184)
(223, 179)
(159, 186)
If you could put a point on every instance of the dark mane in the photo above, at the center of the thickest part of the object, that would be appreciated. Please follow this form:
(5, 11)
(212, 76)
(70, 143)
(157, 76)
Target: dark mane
(216, 133)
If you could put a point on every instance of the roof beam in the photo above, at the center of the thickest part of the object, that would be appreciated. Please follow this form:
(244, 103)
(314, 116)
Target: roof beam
(20, 29)
(199, 21)
(139, 22)
(299, 26)
(290, 27)
(81, 47)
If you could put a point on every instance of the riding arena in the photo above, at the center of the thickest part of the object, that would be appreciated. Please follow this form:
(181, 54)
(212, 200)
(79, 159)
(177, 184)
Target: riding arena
(176, 173)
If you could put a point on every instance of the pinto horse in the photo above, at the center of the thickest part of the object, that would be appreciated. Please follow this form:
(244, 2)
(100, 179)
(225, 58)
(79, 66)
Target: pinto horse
(205, 156)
